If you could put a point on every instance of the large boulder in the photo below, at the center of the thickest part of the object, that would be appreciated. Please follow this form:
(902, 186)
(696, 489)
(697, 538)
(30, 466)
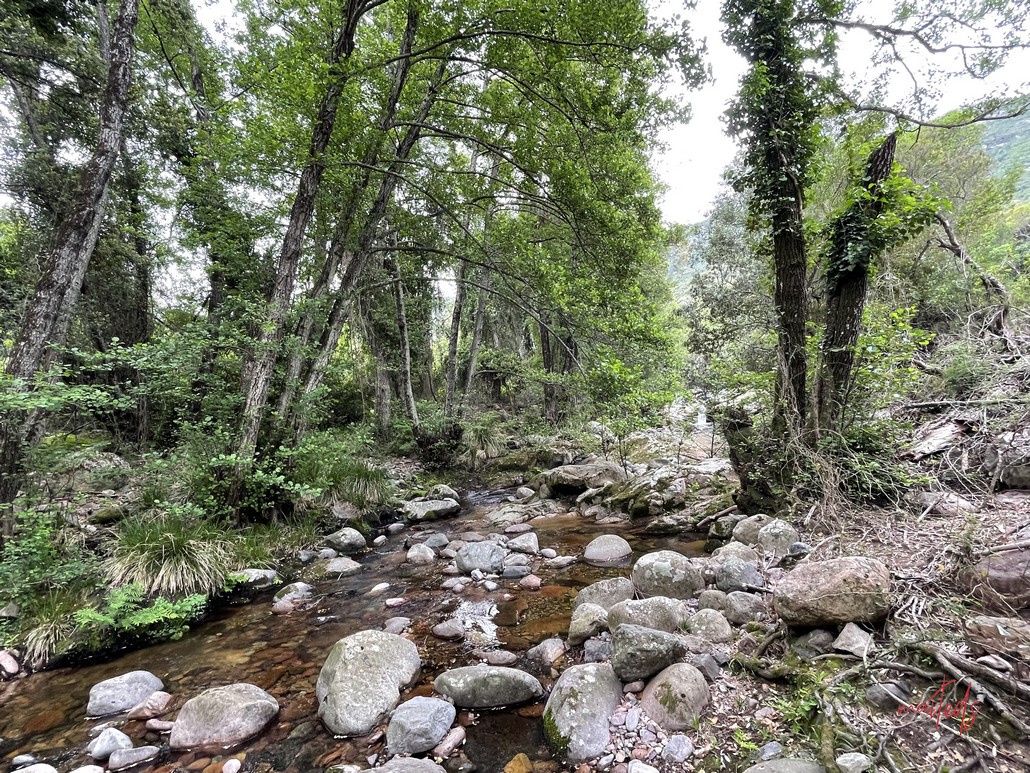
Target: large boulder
(587, 620)
(487, 557)
(362, 680)
(577, 711)
(430, 509)
(667, 573)
(605, 593)
(121, 693)
(638, 652)
(747, 530)
(733, 574)
(484, 687)
(221, 717)
(346, 540)
(710, 624)
(676, 697)
(1000, 580)
(575, 478)
(658, 612)
(418, 725)
(776, 537)
(833, 592)
(607, 548)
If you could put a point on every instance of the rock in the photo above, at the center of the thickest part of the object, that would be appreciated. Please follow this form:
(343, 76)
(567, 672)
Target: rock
(853, 762)
(561, 562)
(524, 492)
(420, 554)
(159, 725)
(455, 737)
(577, 711)
(747, 530)
(638, 652)
(343, 567)
(430, 509)
(397, 625)
(708, 666)
(887, 695)
(605, 593)
(346, 540)
(587, 620)
(658, 612)
(418, 725)
(10, 611)
(410, 765)
(255, 579)
(232, 765)
(380, 541)
(676, 697)
(941, 502)
(448, 630)
(8, 663)
(769, 751)
(678, 748)
(787, 765)
(607, 548)
(575, 478)
(721, 531)
(221, 717)
(840, 590)
(499, 657)
(548, 553)
(515, 572)
(812, 644)
(712, 599)
(744, 607)
(442, 491)
(481, 687)
(86, 769)
(121, 693)
(999, 635)
(738, 549)
(395, 528)
(776, 537)
(111, 739)
(294, 592)
(128, 758)
(735, 573)
(636, 766)
(437, 540)
(487, 557)
(327, 554)
(525, 543)
(520, 763)
(667, 573)
(362, 678)
(530, 582)
(710, 624)
(154, 705)
(596, 650)
(39, 767)
(547, 652)
(1000, 580)
(854, 640)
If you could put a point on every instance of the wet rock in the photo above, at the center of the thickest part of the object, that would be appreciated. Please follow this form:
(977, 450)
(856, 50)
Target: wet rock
(747, 530)
(343, 567)
(222, 717)
(430, 509)
(840, 590)
(1000, 580)
(159, 725)
(154, 705)
(577, 711)
(812, 644)
(362, 679)
(232, 765)
(530, 582)
(605, 593)
(587, 620)
(733, 573)
(639, 653)
(397, 625)
(480, 687)
(499, 657)
(561, 562)
(448, 630)
(607, 548)
(666, 573)
(676, 697)
(418, 725)
(346, 540)
(487, 557)
(525, 543)
(854, 640)
(8, 664)
(22, 760)
(548, 553)
(742, 607)
(515, 572)
(380, 541)
(442, 491)
(596, 650)
(853, 762)
(121, 693)
(776, 537)
(395, 528)
(88, 769)
(787, 765)
(547, 652)
(294, 592)
(255, 579)
(710, 624)
(128, 758)
(437, 540)
(378, 588)
(110, 740)
(410, 765)
(516, 559)
(575, 478)
(420, 554)
(455, 737)
(712, 599)
(678, 748)
(658, 612)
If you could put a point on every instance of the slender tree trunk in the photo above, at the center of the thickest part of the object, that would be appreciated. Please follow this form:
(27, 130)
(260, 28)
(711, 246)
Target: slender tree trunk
(49, 315)
(452, 341)
(550, 388)
(791, 300)
(428, 386)
(477, 328)
(407, 393)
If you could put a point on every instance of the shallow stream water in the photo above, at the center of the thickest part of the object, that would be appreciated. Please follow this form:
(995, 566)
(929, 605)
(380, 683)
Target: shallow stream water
(44, 714)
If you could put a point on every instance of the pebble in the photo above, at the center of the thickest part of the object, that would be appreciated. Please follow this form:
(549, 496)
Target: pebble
(770, 751)
(455, 737)
(395, 528)
(232, 765)
(632, 719)
(490, 586)
(378, 588)
(500, 657)
(449, 630)
(548, 553)
(518, 528)
(530, 582)
(159, 725)
(397, 625)
(378, 542)
(853, 762)
(396, 602)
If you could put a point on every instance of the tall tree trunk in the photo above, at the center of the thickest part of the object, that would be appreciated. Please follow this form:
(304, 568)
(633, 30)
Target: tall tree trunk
(452, 341)
(791, 300)
(477, 328)
(49, 315)
(550, 388)
(407, 393)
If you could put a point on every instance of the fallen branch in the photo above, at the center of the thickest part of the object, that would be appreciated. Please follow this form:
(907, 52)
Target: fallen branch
(715, 516)
(1010, 546)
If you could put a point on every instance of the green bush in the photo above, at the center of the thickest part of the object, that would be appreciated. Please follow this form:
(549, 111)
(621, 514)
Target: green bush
(48, 629)
(963, 371)
(330, 466)
(128, 614)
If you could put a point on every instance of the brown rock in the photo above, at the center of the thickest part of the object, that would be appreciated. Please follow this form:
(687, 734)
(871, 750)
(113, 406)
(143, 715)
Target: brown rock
(520, 763)
(153, 706)
(1001, 580)
(43, 721)
(999, 635)
(852, 589)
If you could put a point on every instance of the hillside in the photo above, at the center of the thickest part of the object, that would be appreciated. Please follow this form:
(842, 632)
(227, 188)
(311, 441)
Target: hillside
(1009, 143)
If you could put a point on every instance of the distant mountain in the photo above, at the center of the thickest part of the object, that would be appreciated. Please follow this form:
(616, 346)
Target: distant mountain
(1008, 142)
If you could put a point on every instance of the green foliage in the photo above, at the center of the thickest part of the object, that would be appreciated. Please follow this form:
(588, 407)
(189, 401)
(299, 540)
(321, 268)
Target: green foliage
(864, 463)
(48, 630)
(963, 371)
(127, 613)
(329, 466)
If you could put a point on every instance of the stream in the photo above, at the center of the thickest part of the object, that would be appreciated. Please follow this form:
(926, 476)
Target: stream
(44, 714)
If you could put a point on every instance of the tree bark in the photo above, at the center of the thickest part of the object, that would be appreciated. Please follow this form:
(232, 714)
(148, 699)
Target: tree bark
(407, 393)
(452, 341)
(477, 328)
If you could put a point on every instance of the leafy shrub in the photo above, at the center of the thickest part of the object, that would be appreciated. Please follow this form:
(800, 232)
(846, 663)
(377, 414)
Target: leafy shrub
(330, 467)
(963, 370)
(127, 613)
(48, 630)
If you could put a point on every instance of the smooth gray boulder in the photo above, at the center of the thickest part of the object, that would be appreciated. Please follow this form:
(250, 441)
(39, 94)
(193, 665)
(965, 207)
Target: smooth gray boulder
(547, 652)
(710, 624)
(658, 612)
(130, 758)
(735, 573)
(362, 679)
(525, 543)
(487, 557)
(221, 717)
(605, 593)
(346, 540)
(256, 579)
(607, 548)
(676, 697)
(343, 567)
(483, 687)
(712, 599)
(110, 739)
(430, 509)
(442, 491)
(853, 589)
(741, 607)
(776, 537)
(638, 652)
(667, 573)
(575, 478)
(294, 592)
(577, 711)
(747, 530)
(420, 554)
(121, 693)
(418, 725)
(587, 620)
